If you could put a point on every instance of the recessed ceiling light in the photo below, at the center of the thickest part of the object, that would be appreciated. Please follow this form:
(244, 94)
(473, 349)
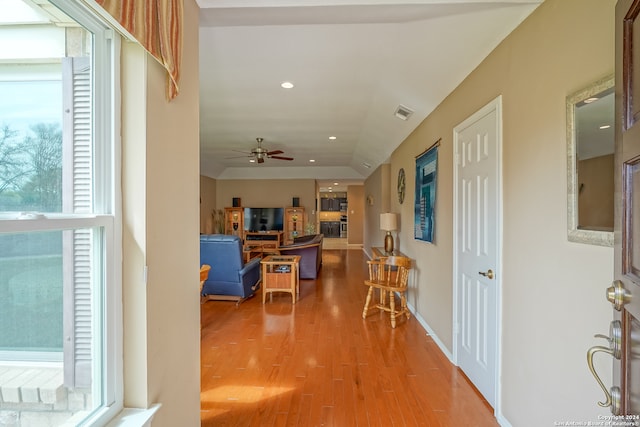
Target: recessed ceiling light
(330, 188)
(332, 138)
(311, 160)
(287, 85)
(335, 183)
(605, 126)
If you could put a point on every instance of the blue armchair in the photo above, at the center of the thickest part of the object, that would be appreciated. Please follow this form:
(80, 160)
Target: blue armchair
(230, 278)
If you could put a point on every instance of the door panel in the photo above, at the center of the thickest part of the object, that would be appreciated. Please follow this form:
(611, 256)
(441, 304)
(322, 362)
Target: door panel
(632, 171)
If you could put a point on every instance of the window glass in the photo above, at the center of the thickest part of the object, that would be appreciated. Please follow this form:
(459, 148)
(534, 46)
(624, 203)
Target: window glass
(31, 145)
(56, 248)
(31, 288)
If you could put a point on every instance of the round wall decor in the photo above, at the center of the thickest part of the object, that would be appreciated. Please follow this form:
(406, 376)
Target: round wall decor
(401, 185)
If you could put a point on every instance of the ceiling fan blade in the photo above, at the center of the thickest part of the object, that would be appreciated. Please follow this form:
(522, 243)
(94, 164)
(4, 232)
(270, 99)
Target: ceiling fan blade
(281, 158)
(271, 153)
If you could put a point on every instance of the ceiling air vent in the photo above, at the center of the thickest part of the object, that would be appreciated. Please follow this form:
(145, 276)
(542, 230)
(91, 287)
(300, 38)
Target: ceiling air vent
(402, 112)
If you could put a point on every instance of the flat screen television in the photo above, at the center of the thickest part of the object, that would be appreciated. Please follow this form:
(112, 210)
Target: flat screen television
(263, 219)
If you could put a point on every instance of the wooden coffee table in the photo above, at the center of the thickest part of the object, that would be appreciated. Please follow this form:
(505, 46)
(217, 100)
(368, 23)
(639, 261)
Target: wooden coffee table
(280, 273)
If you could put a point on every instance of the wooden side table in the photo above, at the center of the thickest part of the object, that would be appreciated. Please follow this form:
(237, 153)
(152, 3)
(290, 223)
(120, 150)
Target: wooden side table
(280, 273)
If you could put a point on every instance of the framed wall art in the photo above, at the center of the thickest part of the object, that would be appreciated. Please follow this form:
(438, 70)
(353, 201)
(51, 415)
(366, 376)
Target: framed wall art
(425, 197)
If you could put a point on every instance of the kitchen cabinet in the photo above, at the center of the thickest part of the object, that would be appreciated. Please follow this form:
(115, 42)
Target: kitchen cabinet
(330, 229)
(332, 204)
(329, 205)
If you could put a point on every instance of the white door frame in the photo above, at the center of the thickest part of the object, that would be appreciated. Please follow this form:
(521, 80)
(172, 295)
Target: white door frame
(495, 104)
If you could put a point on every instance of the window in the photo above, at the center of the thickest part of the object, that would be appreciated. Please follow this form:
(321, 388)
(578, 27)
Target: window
(60, 320)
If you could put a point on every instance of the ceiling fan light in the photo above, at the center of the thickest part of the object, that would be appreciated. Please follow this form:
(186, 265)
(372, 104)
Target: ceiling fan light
(286, 85)
(259, 154)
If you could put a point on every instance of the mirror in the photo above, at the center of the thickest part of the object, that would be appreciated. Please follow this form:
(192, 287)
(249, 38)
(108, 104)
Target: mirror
(590, 163)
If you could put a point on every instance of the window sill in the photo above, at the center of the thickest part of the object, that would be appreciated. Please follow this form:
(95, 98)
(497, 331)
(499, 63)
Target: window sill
(132, 417)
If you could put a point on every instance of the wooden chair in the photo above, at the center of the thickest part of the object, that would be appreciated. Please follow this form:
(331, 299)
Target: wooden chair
(204, 275)
(388, 275)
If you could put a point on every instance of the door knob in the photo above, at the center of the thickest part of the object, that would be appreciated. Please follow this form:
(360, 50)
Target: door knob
(488, 273)
(617, 295)
(615, 349)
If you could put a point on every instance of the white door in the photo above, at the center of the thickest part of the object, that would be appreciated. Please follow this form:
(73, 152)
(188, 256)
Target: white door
(476, 244)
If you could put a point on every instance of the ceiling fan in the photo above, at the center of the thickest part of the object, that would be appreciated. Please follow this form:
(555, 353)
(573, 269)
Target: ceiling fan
(260, 153)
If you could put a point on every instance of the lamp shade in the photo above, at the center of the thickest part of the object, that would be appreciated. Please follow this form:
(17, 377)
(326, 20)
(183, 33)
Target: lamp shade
(388, 222)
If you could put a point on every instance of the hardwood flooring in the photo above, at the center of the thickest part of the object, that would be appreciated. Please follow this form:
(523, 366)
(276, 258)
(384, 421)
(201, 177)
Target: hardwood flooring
(318, 363)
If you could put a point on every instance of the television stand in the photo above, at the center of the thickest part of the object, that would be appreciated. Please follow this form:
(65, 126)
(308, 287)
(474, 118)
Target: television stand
(268, 241)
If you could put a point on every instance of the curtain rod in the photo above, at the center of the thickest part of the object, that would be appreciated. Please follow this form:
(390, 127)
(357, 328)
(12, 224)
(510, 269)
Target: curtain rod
(435, 144)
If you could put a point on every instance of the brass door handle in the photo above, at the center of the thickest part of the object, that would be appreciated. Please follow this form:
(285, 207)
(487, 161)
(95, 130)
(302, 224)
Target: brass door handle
(487, 274)
(612, 395)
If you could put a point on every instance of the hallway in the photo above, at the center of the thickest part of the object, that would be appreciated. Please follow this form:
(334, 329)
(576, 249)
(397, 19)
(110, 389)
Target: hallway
(319, 363)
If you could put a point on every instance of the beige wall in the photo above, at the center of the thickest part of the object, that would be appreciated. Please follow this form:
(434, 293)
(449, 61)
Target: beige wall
(268, 193)
(160, 230)
(275, 193)
(207, 203)
(355, 214)
(377, 198)
(552, 290)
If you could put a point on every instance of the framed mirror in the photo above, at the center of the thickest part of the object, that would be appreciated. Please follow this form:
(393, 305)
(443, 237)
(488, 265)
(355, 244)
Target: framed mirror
(590, 152)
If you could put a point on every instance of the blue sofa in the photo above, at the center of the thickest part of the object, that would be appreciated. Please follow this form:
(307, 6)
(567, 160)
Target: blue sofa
(230, 278)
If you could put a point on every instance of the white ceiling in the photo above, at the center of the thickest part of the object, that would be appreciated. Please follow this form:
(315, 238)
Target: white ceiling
(353, 62)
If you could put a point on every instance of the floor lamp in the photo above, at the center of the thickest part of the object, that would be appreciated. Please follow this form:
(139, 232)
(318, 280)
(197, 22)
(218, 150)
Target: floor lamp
(388, 223)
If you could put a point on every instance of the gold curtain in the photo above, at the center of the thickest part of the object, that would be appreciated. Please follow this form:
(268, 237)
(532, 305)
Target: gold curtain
(157, 26)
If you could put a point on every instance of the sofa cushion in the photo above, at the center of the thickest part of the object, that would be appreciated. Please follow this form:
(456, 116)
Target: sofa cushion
(310, 250)
(304, 240)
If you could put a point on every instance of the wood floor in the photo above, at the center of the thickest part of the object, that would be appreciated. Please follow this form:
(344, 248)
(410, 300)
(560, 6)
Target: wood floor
(318, 363)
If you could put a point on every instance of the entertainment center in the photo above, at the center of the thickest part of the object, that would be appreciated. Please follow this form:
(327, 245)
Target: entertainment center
(268, 241)
(265, 227)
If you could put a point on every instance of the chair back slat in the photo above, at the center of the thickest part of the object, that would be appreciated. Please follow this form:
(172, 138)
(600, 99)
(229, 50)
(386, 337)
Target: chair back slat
(391, 271)
(397, 271)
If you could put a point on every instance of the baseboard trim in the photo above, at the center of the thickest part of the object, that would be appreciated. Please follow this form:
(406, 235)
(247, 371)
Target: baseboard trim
(431, 333)
(503, 421)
